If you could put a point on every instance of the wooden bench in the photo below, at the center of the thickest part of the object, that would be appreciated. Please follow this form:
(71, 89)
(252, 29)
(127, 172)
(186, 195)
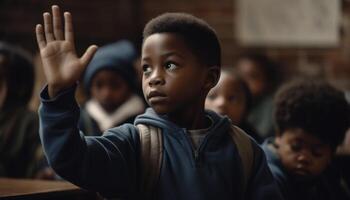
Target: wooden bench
(40, 189)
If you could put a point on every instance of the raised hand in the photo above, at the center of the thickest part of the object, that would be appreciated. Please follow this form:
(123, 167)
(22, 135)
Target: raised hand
(62, 66)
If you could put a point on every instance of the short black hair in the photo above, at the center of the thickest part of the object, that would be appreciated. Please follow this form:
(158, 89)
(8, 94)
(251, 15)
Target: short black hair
(197, 34)
(18, 72)
(314, 106)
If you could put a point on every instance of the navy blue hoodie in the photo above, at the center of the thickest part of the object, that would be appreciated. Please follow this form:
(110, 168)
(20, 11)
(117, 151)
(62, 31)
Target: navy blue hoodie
(110, 164)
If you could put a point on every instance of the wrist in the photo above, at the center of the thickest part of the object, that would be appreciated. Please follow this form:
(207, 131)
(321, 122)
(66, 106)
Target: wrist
(54, 90)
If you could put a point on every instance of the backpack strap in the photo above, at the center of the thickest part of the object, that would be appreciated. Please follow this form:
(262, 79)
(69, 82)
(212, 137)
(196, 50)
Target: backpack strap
(245, 150)
(151, 149)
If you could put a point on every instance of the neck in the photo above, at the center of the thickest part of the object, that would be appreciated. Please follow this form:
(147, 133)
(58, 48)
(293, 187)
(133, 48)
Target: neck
(190, 118)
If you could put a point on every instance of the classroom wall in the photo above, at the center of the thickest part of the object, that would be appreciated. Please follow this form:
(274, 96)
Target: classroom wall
(332, 63)
(95, 22)
(105, 21)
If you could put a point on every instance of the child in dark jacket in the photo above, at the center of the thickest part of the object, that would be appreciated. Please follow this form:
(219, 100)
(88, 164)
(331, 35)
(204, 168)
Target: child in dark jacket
(232, 97)
(19, 127)
(109, 82)
(261, 75)
(181, 63)
(311, 120)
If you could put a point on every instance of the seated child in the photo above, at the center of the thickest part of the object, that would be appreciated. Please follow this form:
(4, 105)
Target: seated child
(19, 127)
(109, 81)
(260, 74)
(181, 63)
(311, 119)
(231, 97)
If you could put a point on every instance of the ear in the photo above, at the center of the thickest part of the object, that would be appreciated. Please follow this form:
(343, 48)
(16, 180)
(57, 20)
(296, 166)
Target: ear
(213, 77)
(278, 141)
(278, 138)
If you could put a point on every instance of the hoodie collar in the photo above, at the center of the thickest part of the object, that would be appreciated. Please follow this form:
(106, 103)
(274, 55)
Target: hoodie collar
(221, 124)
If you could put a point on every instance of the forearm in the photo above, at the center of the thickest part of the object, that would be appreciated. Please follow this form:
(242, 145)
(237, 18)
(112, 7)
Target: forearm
(64, 147)
(58, 129)
(104, 164)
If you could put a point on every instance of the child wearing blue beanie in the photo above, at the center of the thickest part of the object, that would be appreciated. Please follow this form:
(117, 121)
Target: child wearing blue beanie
(109, 82)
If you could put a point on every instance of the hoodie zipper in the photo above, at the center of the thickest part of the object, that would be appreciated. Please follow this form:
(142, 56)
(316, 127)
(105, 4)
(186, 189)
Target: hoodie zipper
(196, 152)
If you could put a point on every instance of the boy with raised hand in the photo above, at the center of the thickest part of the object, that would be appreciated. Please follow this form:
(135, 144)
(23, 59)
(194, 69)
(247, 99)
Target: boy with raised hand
(181, 63)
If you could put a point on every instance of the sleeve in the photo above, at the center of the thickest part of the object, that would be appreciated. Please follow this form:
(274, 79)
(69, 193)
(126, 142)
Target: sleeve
(105, 164)
(261, 183)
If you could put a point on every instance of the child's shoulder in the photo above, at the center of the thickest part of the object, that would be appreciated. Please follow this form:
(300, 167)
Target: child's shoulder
(273, 160)
(125, 132)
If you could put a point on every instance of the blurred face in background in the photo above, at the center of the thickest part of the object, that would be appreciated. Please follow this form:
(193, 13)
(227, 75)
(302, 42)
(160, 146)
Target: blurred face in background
(109, 89)
(253, 75)
(302, 154)
(228, 98)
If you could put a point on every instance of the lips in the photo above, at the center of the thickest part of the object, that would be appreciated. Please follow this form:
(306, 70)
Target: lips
(155, 96)
(301, 171)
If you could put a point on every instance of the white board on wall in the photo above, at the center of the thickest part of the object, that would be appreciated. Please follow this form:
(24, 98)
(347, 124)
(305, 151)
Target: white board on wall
(289, 23)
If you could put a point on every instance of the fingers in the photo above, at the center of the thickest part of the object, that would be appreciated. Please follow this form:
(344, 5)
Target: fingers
(53, 26)
(57, 23)
(68, 26)
(48, 27)
(89, 53)
(40, 38)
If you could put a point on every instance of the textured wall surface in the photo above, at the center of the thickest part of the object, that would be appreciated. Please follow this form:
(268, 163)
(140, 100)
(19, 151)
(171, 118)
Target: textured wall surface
(105, 21)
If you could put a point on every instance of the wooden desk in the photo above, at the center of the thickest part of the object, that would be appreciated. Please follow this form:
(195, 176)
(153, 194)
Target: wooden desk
(39, 189)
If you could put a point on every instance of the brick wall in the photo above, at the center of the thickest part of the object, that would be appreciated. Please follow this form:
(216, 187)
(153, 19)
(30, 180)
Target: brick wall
(105, 21)
(95, 22)
(332, 63)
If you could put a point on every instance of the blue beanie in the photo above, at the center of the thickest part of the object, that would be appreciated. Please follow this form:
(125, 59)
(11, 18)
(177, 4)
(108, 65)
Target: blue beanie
(119, 57)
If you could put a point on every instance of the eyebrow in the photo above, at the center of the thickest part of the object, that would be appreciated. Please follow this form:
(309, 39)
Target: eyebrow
(167, 54)
(172, 53)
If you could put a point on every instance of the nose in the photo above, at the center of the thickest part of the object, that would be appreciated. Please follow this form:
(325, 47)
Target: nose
(105, 93)
(220, 101)
(304, 157)
(156, 78)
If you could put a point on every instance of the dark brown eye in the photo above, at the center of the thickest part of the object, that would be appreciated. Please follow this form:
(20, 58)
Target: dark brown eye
(170, 65)
(146, 68)
(317, 151)
(232, 98)
(296, 146)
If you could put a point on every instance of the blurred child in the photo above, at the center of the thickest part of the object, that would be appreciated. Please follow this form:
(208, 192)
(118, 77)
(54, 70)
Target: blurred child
(19, 135)
(311, 120)
(231, 97)
(260, 74)
(181, 63)
(110, 82)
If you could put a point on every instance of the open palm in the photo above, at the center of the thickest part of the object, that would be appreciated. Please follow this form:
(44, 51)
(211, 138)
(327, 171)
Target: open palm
(62, 66)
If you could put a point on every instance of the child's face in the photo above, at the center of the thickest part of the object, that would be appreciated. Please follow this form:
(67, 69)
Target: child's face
(253, 75)
(303, 154)
(174, 81)
(227, 98)
(109, 89)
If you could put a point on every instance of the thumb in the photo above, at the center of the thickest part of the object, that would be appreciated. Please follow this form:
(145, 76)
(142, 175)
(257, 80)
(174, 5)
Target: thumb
(89, 53)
